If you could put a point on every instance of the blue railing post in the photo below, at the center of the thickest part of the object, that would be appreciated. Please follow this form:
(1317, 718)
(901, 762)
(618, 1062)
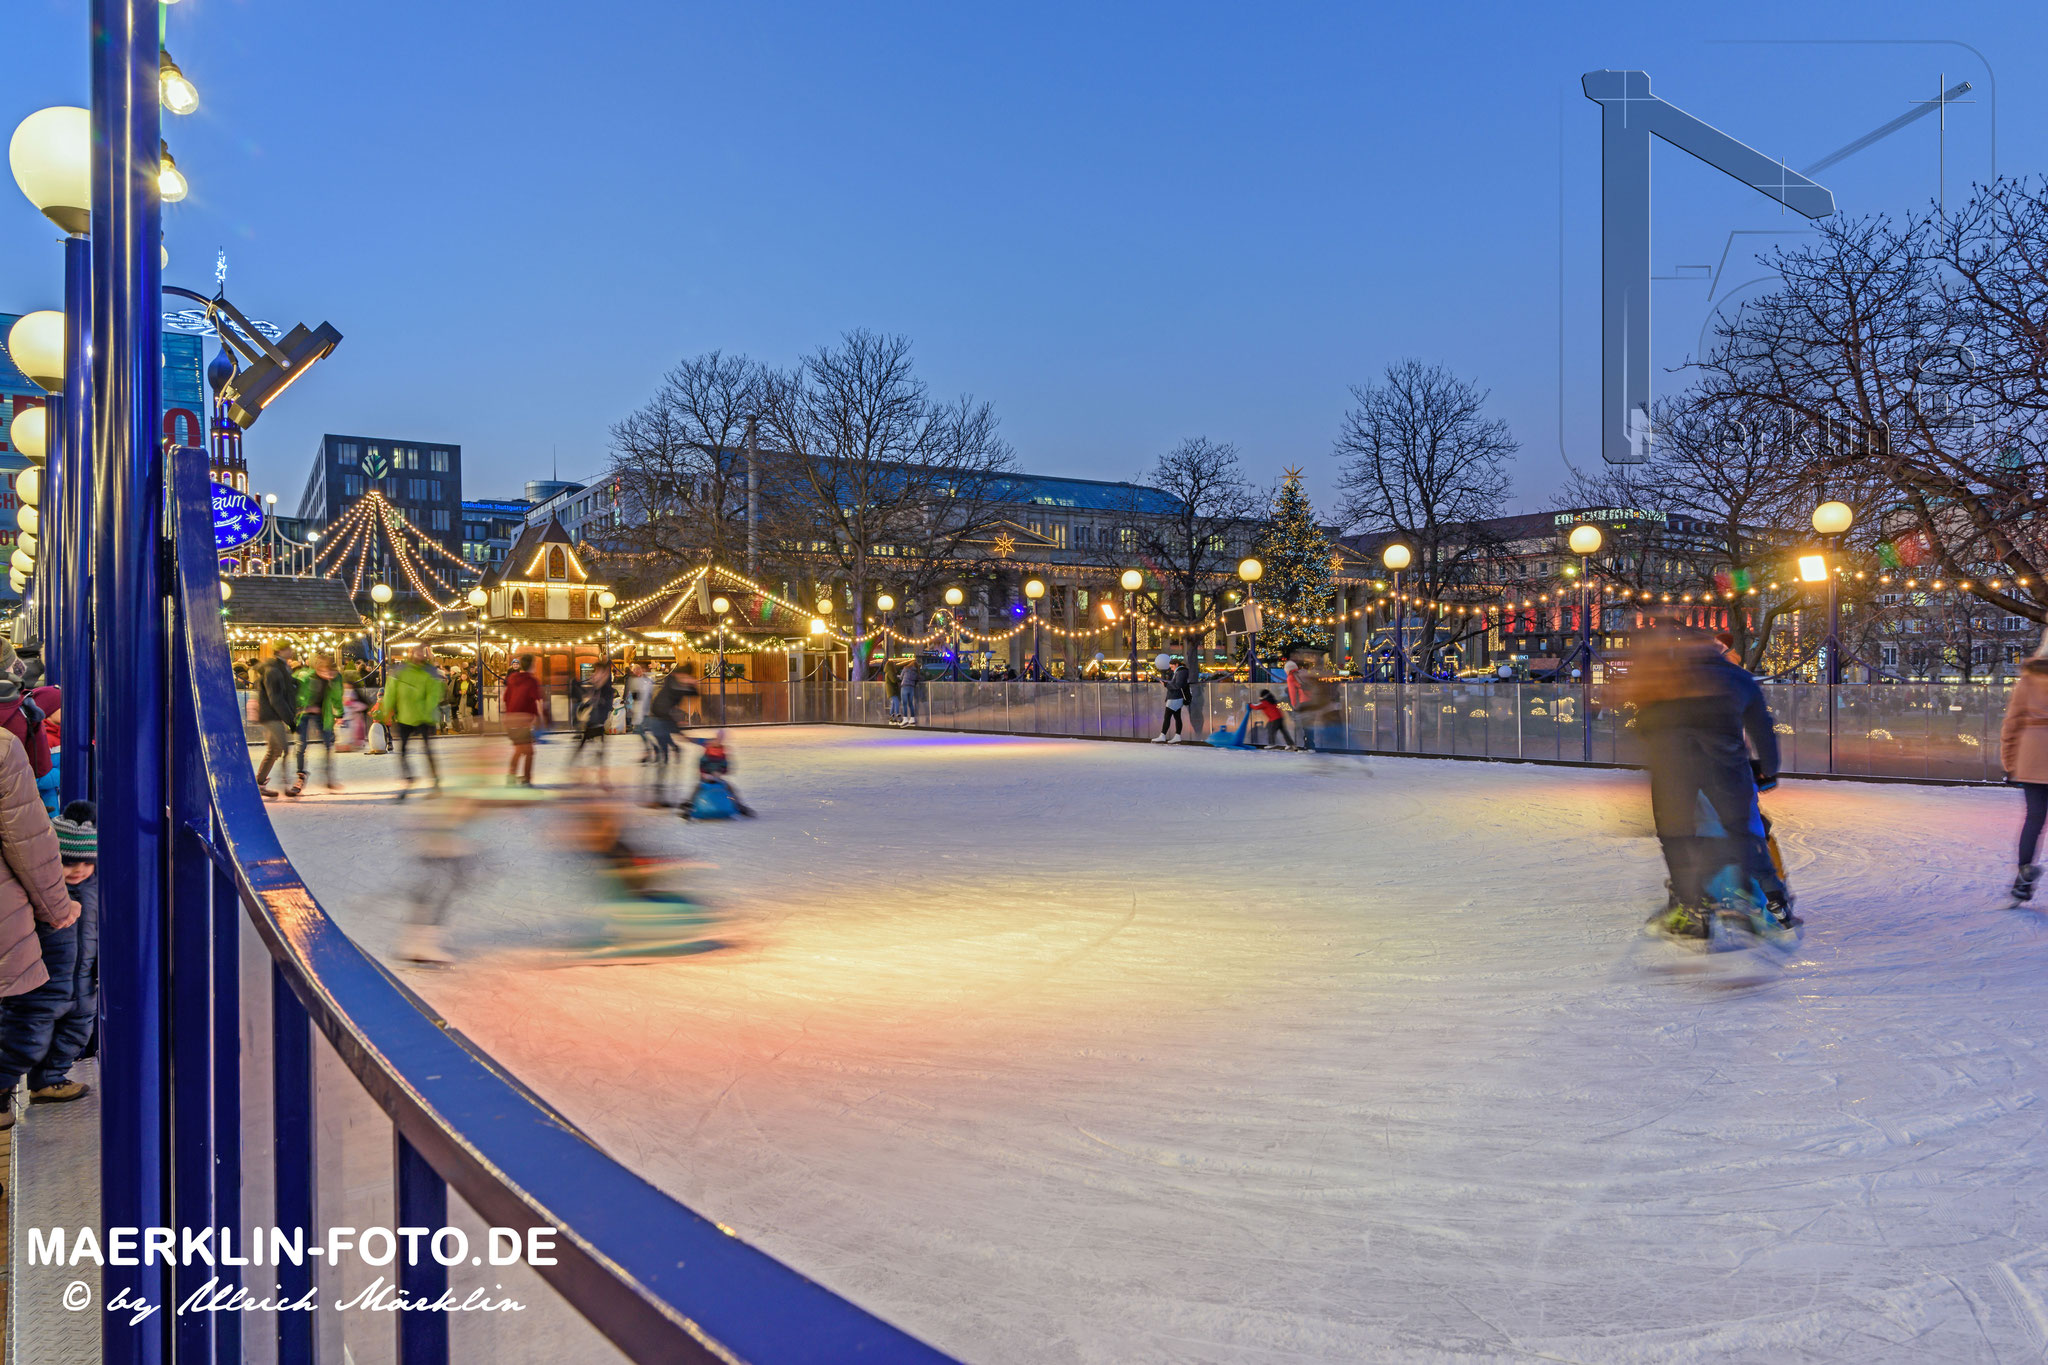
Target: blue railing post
(69, 507)
(191, 992)
(50, 581)
(422, 1203)
(227, 1077)
(129, 651)
(291, 1103)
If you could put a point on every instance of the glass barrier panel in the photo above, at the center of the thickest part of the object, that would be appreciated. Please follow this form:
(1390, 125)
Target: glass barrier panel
(1143, 703)
(1955, 732)
(258, 1139)
(544, 1331)
(1503, 708)
(353, 1188)
(1799, 716)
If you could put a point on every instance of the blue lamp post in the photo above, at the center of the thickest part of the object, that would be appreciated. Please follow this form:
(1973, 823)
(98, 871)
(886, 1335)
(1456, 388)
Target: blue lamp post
(50, 155)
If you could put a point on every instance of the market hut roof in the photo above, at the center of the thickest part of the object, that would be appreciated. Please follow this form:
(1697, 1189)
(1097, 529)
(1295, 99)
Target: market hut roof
(682, 606)
(282, 602)
(524, 558)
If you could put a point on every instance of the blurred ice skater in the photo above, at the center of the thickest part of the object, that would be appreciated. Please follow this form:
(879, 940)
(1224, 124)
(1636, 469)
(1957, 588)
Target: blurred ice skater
(1700, 717)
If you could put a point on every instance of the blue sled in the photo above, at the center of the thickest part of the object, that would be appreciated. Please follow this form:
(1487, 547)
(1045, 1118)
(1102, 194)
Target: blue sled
(713, 802)
(1224, 738)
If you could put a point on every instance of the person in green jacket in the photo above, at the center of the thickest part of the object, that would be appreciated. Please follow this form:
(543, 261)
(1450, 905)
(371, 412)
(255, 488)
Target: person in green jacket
(412, 705)
(320, 694)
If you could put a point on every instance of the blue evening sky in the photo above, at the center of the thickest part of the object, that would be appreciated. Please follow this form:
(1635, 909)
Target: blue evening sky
(1121, 224)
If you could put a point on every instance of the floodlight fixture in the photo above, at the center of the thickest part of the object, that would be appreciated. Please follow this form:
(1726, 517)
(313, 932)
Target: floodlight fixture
(271, 367)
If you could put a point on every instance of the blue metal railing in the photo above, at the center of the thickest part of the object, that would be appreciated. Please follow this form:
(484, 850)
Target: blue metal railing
(662, 1282)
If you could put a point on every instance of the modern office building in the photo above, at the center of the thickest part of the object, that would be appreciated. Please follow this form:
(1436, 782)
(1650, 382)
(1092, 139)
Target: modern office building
(423, 479)
(489, 526)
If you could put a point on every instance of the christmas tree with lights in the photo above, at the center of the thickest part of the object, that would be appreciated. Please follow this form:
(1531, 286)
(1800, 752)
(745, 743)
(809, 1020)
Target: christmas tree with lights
(1299, 574)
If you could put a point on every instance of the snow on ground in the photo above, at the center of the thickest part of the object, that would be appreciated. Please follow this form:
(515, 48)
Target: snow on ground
(1056, 1050)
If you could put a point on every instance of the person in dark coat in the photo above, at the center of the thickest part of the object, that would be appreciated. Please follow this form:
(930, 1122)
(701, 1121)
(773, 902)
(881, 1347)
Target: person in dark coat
(277, 711)
(1701, 718)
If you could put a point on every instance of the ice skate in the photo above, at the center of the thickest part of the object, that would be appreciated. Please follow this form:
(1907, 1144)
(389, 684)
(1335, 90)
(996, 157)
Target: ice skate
(420, 945)
(1176, 737)
(2023, 885)
(1681, 924)
(1159, 738)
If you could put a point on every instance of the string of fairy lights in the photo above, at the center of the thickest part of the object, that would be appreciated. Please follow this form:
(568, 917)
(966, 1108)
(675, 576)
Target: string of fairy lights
(354, 537)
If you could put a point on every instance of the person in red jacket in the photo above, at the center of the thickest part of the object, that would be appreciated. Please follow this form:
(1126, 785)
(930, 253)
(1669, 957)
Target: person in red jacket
(520, 705)
(16, 719)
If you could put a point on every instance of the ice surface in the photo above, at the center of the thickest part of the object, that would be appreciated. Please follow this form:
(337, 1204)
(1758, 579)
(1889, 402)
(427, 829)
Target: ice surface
(1066, 1051)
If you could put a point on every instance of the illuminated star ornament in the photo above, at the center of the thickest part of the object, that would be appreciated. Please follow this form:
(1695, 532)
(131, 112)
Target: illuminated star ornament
(1005, 543)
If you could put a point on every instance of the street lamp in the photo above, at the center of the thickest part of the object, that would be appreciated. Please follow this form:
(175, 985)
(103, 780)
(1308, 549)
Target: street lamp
(380, 593)
(1132, 581)
(1832, 520)
(35, 343)
(51, 156)
(1035, 589)
(477, 598)
(29, 434)
(606, 600)
(719, 607)
(1585, 541)
(1398, 557)
(885, 604)
(1249, 572)
(954, 597)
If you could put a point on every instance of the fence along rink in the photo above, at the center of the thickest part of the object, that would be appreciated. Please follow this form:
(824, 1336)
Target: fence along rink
(1926, 731)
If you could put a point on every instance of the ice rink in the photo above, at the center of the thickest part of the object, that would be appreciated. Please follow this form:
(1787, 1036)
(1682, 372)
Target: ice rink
(1057, 1050)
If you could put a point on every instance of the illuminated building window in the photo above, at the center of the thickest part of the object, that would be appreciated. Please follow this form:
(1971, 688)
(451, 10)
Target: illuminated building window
(519, 601)
(558, 563)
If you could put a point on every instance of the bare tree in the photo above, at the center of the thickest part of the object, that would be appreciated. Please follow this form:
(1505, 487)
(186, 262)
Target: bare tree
(680, 466)
(1191, 541)
(874, 477)
(1422, 462)
(1905, 358)
(1725, 469)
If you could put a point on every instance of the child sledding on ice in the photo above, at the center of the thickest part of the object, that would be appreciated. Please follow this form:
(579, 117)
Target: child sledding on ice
(644, 918)
(713, 798)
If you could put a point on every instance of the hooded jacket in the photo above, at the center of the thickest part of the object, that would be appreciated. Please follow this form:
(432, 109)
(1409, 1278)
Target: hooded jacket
(21, 719)
(414, 697)
(2023, 741)
(32, 889)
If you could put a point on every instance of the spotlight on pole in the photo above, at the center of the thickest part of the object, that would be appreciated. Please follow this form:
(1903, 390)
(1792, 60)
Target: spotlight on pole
(178, 93)
(170, 181)
(271, 367)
